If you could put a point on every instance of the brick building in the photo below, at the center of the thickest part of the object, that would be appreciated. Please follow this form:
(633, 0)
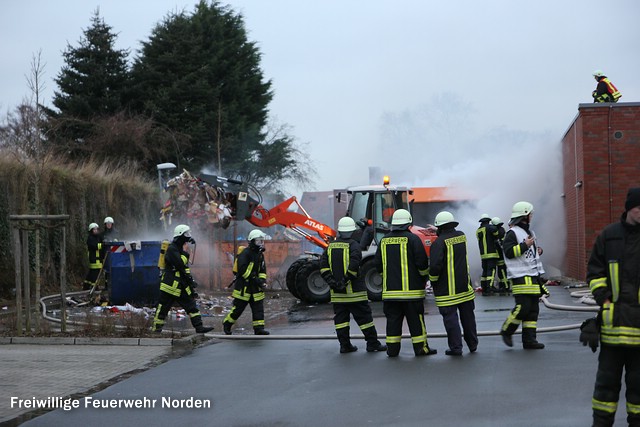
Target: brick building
(601, 160)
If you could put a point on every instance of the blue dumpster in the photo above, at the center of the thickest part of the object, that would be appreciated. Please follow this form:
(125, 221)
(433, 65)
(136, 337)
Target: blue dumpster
(133, 272)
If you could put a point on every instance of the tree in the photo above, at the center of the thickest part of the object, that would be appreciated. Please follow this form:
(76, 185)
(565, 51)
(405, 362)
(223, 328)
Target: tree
(276, 162)
(198, 74)
(95, 75)
(92, 83)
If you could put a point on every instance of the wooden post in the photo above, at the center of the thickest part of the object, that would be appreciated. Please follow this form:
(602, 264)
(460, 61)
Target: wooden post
(26, 280)
(63, 281)
(16, 255)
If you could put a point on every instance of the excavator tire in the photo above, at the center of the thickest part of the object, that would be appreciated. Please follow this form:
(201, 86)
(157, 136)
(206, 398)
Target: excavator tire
(291, 276)
(310, 284)
(372, 279)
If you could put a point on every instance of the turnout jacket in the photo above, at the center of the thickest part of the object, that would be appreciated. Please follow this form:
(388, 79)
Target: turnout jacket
(523, 263)
(95, 250)
(613, 274)
(251, 276)
(449, 269)
(342, 260)
(177, 275)
(487, 235)
(404, 264)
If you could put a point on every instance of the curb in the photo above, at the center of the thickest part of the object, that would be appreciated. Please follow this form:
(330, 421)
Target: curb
(191, 340)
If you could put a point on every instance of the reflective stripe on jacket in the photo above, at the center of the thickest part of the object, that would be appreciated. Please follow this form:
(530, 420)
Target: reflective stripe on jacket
(614, 275)
(487, 235)
(449, 269)
(342, 258)
(404, 264)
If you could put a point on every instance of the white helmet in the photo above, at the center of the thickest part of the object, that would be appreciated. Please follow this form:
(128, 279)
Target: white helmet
(182, 230)
(485, 217)
(401, 217)
(598, 73)
(346, 225)
(496, 221)
(521, 209)
(445, 217)
(256, 234)
(108, 220)
(92, 226)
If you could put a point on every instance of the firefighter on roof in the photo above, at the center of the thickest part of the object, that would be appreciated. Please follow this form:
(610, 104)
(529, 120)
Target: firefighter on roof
(249, 284)
(605, 91)
(339, 266)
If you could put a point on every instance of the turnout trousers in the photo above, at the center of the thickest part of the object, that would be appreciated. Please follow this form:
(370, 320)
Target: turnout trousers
(166, 300)
(257, 311)
(489, 267)
(611, 362)
(413, 311)
(361, 312)
(526, 312)
(452, 325)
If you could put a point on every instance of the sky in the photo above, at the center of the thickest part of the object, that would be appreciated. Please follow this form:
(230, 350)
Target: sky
(470, 94)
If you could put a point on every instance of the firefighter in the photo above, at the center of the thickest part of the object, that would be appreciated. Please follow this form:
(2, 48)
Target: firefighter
(487, 235)
(340, 267)
(449, 276)
(605, 90)
(96, 256)
(109, 232)
(524, 270)
(501, 267)
(177, 284)
(403, 262)
(614, 277)
(249, 285)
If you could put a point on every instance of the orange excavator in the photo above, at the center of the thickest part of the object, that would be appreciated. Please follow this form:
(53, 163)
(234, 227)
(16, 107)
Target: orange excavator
(215, 201)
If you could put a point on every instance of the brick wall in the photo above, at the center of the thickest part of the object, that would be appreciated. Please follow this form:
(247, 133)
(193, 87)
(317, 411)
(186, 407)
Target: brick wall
(601, 150)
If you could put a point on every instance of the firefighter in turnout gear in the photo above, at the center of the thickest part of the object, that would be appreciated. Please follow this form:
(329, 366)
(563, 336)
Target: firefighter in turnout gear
(524, 270)
(339, 266)
(403, 262)
(449, 276)
(95, 251)
(487, 234)
(249, 285)
(177, 284)
(501, 266)
(605, 91)
(613, 274)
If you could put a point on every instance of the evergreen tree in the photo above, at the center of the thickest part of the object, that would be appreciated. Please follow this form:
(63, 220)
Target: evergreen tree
(95, 75)
(199, 75)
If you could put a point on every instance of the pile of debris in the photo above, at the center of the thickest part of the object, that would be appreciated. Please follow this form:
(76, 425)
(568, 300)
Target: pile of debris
(197, 202)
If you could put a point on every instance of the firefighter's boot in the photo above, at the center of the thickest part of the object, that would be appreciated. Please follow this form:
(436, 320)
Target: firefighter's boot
(371, 337)
(260, 331)
(529, 341)
(196, 321)
(345, 341)
(507, 331)
(226, 327)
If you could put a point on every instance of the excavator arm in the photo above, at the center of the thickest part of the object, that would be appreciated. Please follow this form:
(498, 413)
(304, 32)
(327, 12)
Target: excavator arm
(215, 201)
(301, 223)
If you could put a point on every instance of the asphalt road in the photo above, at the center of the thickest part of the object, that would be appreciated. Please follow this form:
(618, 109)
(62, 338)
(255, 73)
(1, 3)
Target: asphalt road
(308, 383)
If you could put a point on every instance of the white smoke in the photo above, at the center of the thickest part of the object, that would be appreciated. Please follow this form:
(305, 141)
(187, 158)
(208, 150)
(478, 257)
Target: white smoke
(438, 145)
